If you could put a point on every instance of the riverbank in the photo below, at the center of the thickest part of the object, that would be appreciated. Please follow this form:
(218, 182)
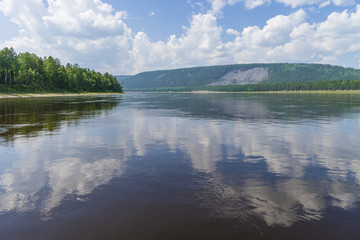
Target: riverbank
(16, 91)
(27, 95)
(254, 92)
(69, 94)
(306, 92)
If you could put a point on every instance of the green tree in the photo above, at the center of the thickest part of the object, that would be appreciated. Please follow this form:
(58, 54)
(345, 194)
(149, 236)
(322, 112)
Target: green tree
(29, 69)
(8, 63)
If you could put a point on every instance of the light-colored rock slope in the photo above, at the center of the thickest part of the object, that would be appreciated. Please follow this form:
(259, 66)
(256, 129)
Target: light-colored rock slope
(238, 77)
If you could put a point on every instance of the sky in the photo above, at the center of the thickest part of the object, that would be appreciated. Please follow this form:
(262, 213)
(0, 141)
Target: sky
(132, 36)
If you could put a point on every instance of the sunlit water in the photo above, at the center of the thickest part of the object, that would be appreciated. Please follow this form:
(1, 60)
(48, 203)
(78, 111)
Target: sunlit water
(181, 166)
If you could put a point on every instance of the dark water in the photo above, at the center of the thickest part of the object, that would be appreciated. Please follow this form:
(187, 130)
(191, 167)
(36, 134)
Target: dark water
(181, 166)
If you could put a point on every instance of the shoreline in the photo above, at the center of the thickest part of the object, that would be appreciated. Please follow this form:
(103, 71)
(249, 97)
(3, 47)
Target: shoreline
(254, 92)
(28, 95)
(311, 91)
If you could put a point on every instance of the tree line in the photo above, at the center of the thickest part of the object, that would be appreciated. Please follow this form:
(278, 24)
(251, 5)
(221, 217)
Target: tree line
(292, 86)
(48, 73)
(327, 85)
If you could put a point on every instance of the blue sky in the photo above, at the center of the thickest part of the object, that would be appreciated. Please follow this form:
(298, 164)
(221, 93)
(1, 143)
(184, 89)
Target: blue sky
(131, 36)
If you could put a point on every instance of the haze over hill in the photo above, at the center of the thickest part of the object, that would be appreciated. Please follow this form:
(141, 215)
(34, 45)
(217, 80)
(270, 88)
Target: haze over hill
(238, 74)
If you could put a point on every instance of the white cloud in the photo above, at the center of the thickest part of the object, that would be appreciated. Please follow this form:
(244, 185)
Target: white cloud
(196, 5)
(276, 32)
(231, 31)
(338, 33)
(250, 4)
(198, 45)
(297, 3)
(95, 35)
(217, 5)
(324, 4)
(291, 38)
(27, 15)
(344, 2)
(83, 33)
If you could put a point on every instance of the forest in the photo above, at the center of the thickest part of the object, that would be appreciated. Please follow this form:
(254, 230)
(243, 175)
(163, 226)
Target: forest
(28, 71)
(326, 85)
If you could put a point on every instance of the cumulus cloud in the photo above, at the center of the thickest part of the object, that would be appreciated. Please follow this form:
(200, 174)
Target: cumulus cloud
(297, 3)
(83, 16)
(250, 4)
(84, 33)
(276, 32)
(283, 38)
(217, 5)
(324, 4)
(95, 35)
(343, 2)
(198, 45)
(291, 38)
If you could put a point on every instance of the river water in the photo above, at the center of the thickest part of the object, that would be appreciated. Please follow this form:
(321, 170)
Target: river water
(180, 166)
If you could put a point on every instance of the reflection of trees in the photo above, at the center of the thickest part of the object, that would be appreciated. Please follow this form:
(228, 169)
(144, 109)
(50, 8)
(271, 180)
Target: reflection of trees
(27, 117)
(253, 107)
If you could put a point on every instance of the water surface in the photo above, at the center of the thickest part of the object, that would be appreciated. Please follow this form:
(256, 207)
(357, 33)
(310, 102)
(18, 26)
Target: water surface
(181, 166)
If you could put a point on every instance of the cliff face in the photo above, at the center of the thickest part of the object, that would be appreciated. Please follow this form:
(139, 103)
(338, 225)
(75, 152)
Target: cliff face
(238, 77)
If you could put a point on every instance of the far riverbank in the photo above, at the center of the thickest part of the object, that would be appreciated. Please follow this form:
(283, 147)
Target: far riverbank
(252, 92)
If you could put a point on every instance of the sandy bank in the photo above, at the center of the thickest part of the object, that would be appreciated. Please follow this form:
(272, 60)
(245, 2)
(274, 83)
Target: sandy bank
(25, 95)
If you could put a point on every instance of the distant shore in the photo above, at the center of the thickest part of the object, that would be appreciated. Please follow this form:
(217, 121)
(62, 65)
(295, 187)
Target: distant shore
(27, 95)
(298, 91)
(303, 91)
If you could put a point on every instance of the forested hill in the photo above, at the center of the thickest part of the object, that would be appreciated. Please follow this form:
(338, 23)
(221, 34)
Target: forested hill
(28, 71)
(239, 74)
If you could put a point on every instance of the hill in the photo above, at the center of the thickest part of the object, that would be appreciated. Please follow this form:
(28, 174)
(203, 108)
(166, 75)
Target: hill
(122, 78)
(238, 74)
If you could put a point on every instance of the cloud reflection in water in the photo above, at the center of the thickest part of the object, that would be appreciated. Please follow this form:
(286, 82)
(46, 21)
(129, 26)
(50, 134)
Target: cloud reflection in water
(281, 172)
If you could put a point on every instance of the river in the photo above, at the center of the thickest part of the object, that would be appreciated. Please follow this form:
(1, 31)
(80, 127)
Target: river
(180, 166)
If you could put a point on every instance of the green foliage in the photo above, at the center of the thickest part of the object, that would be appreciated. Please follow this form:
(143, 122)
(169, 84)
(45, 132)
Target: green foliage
(292, 86)
(280, 73)
(203, 76)
(28, 71)
(328, 85)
